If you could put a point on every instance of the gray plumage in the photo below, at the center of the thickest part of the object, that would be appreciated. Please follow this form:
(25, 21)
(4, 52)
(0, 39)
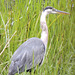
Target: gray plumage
(33, 47)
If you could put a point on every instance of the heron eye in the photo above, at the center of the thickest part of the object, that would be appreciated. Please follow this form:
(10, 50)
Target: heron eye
(53, 9)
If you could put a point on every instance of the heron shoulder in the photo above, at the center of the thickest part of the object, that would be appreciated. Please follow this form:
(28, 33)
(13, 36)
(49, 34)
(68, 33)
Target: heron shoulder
(28, 46)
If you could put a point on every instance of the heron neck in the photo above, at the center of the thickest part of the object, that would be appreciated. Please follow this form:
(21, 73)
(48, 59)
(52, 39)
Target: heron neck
(44, 34)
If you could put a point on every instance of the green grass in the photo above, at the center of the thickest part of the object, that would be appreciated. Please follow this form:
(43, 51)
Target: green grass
(20, 20)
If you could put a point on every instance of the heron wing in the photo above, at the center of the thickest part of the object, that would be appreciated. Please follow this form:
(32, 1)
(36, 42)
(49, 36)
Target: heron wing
(35, 54)
(30, 52)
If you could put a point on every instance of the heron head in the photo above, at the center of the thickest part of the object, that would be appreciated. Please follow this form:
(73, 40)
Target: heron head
(51, 10)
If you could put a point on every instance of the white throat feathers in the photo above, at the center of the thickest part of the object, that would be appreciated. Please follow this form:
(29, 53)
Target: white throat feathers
(44, 34)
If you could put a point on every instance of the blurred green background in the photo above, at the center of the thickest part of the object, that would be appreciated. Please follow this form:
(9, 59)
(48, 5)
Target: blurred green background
(20, 20)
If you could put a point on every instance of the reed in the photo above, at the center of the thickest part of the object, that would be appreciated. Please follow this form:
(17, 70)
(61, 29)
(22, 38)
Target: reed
(20, 20)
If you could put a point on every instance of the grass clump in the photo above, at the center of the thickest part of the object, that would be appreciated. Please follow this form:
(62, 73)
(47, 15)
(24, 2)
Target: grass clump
(20, 20)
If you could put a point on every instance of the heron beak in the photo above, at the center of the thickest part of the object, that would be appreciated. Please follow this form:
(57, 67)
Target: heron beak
(61, 12)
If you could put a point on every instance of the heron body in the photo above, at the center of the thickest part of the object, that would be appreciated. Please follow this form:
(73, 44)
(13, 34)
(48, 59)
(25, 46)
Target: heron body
(23, 56)
(32, 52)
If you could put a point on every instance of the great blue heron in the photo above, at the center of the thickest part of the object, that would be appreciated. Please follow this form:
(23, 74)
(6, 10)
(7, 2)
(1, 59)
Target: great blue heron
(23, 56)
